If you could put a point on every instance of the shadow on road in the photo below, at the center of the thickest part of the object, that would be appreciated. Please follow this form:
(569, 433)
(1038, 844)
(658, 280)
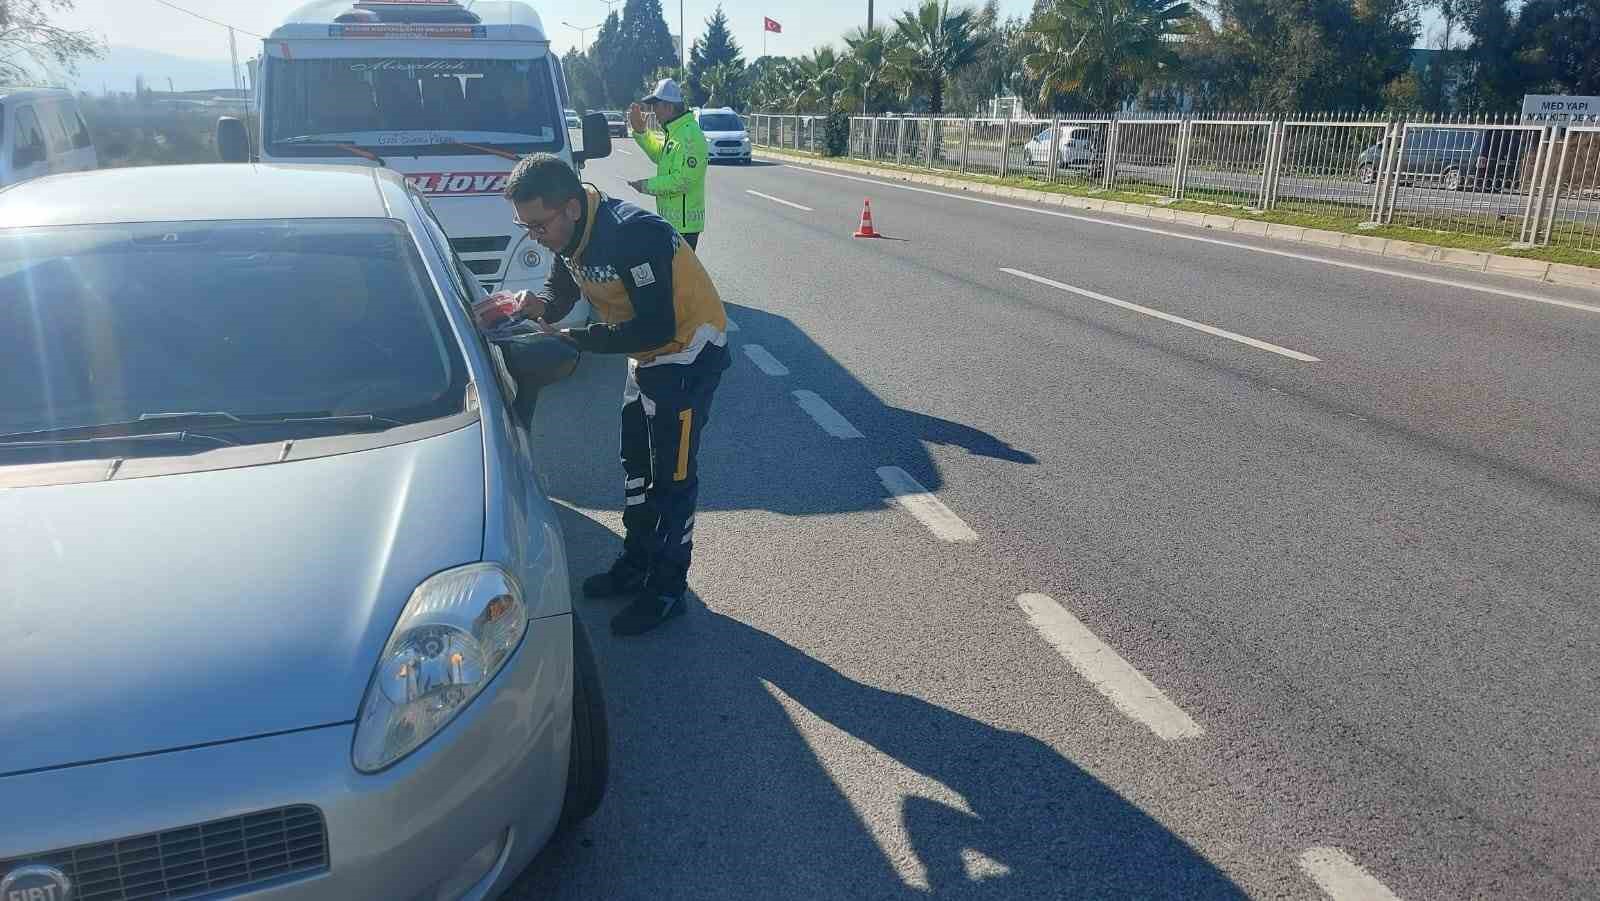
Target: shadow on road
(718, 793)
(744, 464)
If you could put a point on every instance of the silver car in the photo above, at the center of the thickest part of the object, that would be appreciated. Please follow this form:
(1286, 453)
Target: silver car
(286, 608)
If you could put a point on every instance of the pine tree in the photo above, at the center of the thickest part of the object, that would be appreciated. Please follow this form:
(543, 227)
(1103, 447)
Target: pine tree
(716, 48)
(647, 46)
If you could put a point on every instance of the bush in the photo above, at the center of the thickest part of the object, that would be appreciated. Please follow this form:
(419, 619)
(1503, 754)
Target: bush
(836, 133)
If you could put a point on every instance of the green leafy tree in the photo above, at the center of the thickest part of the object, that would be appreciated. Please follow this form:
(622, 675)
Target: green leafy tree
(584, 84)
(715, 48)
(33, 47)
(1104, 51)
(724, 86)
(869, 78)
(605, 56)
(646, 45)
(933, 45)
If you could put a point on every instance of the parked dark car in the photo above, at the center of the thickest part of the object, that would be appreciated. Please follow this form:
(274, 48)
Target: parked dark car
(616, 122)
(1474, 159)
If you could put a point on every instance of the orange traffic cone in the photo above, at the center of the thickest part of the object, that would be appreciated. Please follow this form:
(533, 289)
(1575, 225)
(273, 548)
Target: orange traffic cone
(866, 231)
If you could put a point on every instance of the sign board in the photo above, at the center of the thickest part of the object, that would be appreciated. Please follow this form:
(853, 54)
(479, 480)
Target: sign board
(1559, 108)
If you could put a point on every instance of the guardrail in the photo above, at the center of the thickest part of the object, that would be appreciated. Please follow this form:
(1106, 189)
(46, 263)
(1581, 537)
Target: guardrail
(1525, 182)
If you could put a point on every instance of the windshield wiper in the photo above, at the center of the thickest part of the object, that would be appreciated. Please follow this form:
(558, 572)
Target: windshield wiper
(179, 426)
(346, 146)
(154, 437)
(493, 151)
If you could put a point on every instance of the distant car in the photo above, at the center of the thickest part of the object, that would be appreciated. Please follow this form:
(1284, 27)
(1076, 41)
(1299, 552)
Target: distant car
(573, 120)
(42, 132)
(725, 135)
(1076, 147)
(617, 123)
(1455, 159)
(295, 606)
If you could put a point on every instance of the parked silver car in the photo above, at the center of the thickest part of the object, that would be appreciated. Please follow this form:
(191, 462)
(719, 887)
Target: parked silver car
(287, 608)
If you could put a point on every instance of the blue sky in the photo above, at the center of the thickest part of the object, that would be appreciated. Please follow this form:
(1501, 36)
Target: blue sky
(806, 23)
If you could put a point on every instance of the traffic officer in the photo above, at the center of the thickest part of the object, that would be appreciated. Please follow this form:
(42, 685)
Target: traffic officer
(680, 157)
(657, 305)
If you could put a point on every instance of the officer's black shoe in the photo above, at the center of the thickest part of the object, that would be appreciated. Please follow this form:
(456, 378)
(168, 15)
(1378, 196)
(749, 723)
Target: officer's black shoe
(647, 611)
(622, 578)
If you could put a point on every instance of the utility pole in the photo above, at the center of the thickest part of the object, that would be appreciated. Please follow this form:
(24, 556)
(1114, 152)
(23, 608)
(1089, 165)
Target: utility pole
(869, 15)
(683, 44)
(233, 52)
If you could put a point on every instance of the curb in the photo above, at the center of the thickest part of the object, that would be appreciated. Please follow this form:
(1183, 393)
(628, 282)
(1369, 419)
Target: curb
(1563, 274)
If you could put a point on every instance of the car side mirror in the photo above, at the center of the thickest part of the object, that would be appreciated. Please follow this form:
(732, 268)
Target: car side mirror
(596, 138)
(233, 140)
(535, 361)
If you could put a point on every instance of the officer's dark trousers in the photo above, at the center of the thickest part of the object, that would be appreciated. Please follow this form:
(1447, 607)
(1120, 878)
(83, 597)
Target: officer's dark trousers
(665, 410)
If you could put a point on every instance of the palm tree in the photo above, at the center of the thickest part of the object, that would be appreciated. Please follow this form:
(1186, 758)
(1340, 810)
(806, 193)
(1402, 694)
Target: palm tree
(866, 67)
(1101, 50)
(933, 44)
(723, 85)
(821, 81)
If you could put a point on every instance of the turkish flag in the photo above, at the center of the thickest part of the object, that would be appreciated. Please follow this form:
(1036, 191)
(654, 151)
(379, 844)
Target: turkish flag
(771, 25)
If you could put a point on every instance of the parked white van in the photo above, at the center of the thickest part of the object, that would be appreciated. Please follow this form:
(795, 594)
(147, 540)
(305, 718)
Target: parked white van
(42, 132)
(449, 94)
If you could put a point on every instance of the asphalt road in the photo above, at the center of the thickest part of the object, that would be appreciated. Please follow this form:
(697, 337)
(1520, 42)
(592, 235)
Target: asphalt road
(1241, 570)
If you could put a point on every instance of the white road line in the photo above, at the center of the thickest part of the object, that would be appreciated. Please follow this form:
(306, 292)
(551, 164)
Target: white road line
(1310, 258)
(1167, 317)
(732, 326)
(621, 150)
(1114, 677)
(779, 200)
(920, 503)
(764, 361)
(825, 415)
(1341, 878)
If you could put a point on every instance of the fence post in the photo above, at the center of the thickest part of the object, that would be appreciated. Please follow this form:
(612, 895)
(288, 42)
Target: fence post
(1005, 147)
(1533, 210)
(1555, 190)
(933, 133)
(872, 141)
(1271, 162)
(1393, 137)
(966, 136)
(900, 141)
(1181, 160)
(1055, 149)
(1109, 177)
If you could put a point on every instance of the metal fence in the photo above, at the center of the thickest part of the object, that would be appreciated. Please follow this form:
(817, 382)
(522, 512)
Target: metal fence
(1533, 183)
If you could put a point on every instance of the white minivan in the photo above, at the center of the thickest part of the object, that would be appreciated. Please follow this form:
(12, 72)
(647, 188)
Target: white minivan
(449, 94)
(42, 132)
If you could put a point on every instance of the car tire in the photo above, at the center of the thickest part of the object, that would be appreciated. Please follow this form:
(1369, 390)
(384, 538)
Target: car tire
(589, 764)
(1452, 180)
(1367, 173)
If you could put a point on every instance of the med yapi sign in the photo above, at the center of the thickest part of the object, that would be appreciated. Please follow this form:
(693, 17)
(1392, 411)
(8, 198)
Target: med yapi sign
(1558, 108)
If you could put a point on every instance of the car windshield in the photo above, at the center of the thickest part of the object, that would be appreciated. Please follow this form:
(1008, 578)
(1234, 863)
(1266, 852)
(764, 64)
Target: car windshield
(410, 103)
(268, 319)
(720, 122)
(613, 117)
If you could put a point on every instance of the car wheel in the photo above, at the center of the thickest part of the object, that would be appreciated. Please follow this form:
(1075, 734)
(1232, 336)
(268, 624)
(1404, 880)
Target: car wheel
(589, 765)
(1367, 173)
(1452, 179)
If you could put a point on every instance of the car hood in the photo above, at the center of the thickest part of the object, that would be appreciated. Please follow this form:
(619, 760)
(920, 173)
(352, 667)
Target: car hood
(159, 613)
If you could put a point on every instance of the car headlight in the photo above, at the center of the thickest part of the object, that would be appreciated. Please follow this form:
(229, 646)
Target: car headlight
(456, 632)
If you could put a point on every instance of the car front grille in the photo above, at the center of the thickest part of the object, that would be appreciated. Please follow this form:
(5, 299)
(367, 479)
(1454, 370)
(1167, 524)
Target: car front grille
(232, 854)
(493, 244)
(482, 267)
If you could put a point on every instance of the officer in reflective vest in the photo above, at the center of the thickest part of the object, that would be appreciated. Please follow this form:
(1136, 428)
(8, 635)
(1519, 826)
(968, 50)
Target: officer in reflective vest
(656, 304)
(680, 155)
